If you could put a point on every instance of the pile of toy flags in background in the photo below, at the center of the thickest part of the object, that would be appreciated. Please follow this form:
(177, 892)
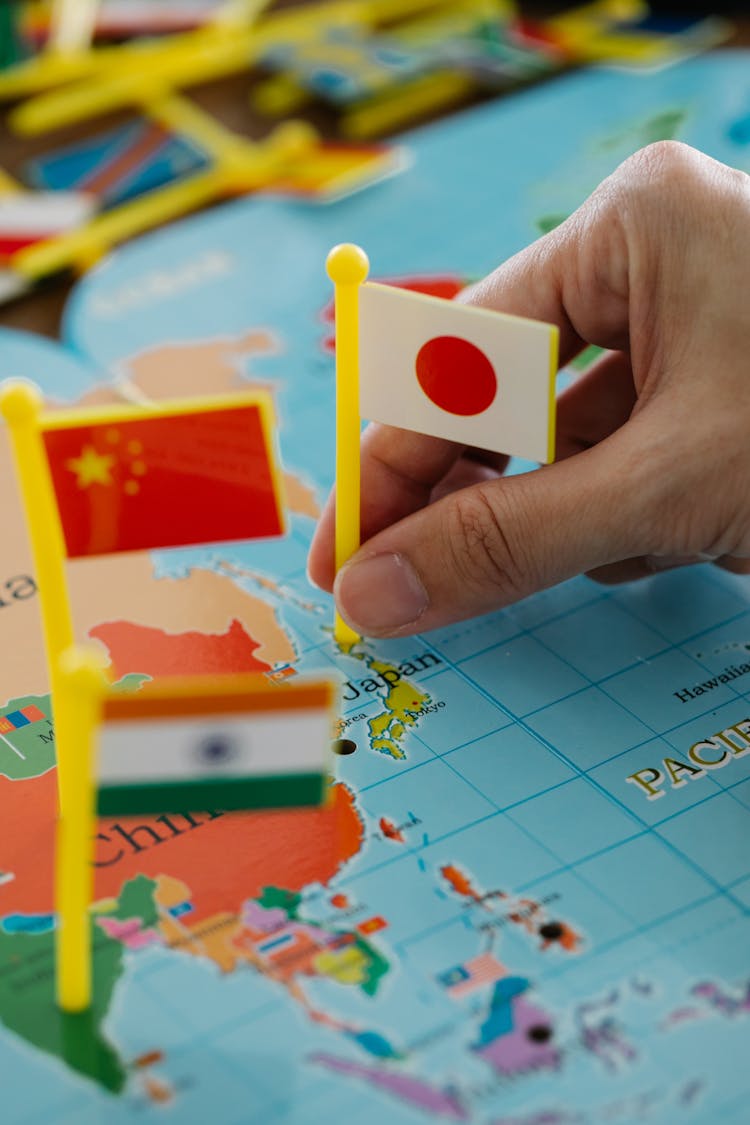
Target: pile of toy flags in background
(380, 78)
(379, 65)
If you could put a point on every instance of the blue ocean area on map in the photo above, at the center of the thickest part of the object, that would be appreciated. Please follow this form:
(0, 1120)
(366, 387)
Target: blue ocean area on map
(536, 910)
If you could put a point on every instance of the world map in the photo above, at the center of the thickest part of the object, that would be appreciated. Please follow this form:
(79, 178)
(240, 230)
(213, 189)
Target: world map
(526, 899)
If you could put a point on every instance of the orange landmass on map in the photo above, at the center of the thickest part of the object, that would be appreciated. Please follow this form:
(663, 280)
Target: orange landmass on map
(569, 939)
(119, 588)
(390, 831)
(152, 652)
(223, 861)
(157, 1091)
(204, 367)
(300, 498)
(185, 369)
(124, 588)
(459, 882)
(210, 937)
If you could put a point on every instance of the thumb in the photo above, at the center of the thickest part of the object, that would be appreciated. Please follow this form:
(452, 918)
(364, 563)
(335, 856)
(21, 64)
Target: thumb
(492, 544)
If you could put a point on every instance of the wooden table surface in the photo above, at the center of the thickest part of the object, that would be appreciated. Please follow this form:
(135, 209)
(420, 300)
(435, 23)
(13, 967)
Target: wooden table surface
(228, 100)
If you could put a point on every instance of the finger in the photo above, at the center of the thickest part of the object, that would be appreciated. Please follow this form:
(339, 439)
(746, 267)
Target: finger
(466, 472)
(734, 565)
(399, 470)
(595, 405)
(321, 564)
(398, 467)
(490, 545)
(575, 277)
(631, 570)
(474, 467)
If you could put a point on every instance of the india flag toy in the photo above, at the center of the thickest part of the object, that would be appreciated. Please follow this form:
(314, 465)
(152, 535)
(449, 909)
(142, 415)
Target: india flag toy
(234, 742)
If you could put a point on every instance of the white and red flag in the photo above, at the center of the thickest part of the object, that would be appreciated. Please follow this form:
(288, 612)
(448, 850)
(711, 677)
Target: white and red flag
(471, 375)
(27, 217)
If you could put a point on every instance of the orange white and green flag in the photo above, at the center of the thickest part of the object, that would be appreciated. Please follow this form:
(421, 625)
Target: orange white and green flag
(129, 478)
(234, 742)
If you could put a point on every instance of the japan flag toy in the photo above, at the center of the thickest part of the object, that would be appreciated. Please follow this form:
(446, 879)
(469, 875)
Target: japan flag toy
(454, 371)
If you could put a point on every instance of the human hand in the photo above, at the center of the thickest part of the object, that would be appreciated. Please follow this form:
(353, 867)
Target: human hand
(653, 446)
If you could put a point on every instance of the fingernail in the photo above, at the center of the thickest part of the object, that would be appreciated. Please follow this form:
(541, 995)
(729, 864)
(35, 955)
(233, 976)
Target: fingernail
(380, 594)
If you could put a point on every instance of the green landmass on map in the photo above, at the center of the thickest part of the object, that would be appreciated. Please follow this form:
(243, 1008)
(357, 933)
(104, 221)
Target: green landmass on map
(131, 682)
(586, 358)
(377, 966)
(28, 1006)
(276, 898)
(662, 126)
(28, 751)
(546, 223)
(137, 900)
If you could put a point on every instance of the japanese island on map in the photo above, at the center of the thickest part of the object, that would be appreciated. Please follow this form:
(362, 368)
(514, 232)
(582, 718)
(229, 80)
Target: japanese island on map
(526, 902)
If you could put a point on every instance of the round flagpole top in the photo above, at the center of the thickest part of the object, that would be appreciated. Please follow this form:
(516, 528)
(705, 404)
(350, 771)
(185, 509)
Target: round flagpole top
(347, 264)
(83, 669)
(20, 400)
(295, 139)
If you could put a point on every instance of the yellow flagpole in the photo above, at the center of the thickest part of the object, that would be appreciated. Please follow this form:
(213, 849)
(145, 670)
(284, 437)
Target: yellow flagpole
(78, 706)
(347, 267)
(240, 165)
(21, 406)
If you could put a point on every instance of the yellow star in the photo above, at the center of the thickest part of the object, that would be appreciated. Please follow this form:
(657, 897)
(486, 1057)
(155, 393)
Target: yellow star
(91, 467)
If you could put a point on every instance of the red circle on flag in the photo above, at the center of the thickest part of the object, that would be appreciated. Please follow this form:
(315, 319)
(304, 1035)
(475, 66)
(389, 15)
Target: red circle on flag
(456, 375)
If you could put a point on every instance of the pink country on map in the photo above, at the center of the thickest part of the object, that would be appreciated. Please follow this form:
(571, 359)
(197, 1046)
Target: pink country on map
(515, 1035)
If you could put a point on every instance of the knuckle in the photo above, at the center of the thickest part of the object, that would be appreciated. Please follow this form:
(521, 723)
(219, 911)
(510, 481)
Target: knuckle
(661, 160)
(643, 189)
(660, 168)
(674, 182)
(703, 509)
(483, 550)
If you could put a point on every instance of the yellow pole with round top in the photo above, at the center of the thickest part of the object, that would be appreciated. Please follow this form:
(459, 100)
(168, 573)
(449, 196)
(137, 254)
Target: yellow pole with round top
(347, 266)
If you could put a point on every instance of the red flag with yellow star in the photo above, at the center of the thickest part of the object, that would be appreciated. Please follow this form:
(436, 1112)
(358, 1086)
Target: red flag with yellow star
(165, 475)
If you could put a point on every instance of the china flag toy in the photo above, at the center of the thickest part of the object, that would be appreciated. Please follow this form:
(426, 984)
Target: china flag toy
(233, 742)
(129, 478)
(470, 375)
